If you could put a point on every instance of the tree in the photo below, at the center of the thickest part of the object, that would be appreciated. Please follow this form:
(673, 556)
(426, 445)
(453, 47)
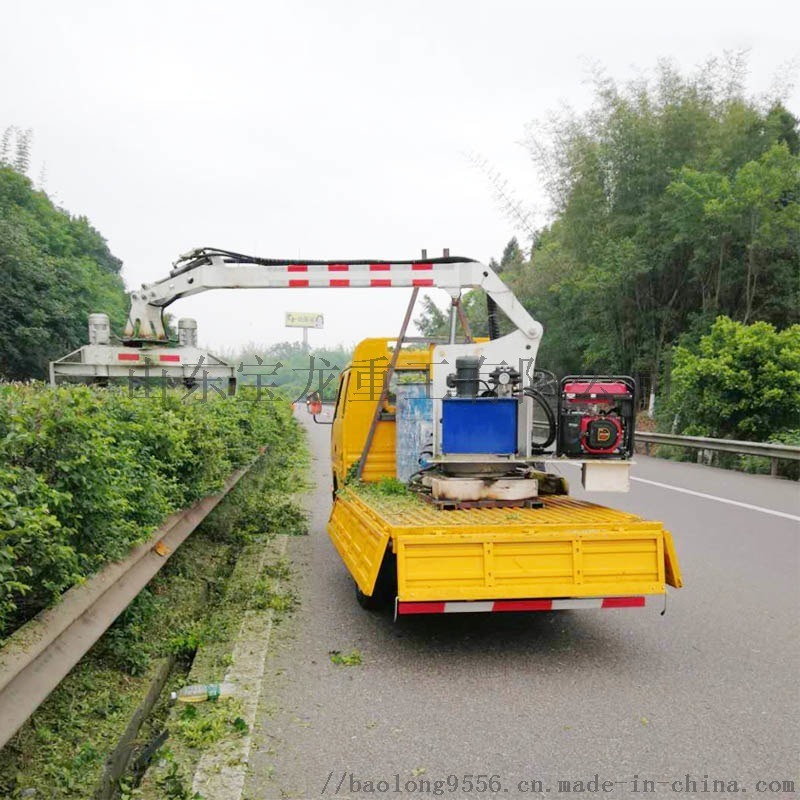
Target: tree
(739, 381)
(55, 270)
(22, 157)
(674, 199)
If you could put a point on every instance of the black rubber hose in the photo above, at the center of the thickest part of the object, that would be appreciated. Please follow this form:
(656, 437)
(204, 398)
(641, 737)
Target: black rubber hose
(491, 313)
(551, 418)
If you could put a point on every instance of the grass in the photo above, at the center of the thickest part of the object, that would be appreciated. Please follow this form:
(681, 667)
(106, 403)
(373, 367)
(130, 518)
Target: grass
(60, 752)
(387, 494)
(204, 724)
(351, 659)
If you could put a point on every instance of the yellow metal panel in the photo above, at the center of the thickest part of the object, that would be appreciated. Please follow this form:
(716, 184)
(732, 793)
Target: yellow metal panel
(413, 515)
(451, 567)
(673, 570)
(363, 389)
(361, 540)
(631, 560)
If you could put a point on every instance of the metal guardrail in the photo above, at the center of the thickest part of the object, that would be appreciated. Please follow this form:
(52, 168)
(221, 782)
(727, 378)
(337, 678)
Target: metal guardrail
(40, 654)
(775, 452)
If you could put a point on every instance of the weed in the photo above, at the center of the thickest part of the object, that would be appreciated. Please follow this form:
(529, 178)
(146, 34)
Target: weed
(205, 724)
(391, 486)
(279, 571)
(173, 784)
(352, 473)
(351, 659)
(264, 597)
(283, 602)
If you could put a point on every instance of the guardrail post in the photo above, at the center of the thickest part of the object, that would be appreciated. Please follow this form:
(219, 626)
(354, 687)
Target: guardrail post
(773, 467)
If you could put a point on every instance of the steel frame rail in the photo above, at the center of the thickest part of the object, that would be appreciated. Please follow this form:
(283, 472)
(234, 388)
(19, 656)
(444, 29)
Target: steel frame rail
(38, 656)
(775, 452)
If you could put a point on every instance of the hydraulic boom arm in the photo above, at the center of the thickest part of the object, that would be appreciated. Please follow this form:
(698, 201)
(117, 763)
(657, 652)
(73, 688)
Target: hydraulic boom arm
(209, 268)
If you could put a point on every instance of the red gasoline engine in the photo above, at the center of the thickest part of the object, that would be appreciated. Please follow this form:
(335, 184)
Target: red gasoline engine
(596, 416)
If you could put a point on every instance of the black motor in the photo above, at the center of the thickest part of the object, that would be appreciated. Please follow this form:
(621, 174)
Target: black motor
(466, 379)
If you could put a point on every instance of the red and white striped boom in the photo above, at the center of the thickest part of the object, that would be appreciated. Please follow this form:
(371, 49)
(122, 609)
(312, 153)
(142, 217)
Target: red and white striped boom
(205, 269)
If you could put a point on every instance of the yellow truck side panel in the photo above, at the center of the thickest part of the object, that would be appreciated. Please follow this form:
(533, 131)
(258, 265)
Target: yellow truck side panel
(361, 539)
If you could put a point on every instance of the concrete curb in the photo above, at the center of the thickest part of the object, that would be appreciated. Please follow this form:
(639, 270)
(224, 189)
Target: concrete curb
(221, 773)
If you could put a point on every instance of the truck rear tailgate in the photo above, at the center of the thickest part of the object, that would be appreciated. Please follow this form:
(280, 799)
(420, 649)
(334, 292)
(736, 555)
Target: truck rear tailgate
(568, 548)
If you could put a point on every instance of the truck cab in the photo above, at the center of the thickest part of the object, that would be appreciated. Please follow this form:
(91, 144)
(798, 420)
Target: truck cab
(359, 389)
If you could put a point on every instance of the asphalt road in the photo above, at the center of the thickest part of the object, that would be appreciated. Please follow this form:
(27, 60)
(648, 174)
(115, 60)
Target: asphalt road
(709, 689)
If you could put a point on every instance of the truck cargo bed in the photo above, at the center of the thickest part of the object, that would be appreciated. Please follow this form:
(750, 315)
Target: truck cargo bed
(566, 549)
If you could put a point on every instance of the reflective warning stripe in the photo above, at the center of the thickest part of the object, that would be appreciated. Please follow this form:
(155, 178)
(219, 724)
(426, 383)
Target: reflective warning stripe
(484, 606)
(311, 276)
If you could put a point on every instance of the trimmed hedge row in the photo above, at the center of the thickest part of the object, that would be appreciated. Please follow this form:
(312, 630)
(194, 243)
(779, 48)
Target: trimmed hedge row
(87, 474)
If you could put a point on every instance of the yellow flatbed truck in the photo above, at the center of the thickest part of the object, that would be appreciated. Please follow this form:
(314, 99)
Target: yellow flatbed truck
(495, 530)
(566, 554)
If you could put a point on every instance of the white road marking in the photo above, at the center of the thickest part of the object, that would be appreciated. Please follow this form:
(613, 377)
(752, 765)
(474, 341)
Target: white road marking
(763, 510)
(720, 499)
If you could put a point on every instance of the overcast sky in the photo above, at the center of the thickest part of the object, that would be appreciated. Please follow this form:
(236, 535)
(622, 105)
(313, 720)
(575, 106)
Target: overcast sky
(324, 129)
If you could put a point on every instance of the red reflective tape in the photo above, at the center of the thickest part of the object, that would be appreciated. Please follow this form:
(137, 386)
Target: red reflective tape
(422, 266)
(420, 608)
(380, 282)
(297, 268)
(422, 281)
(523, 605)
(340, 282)
(169, 358)
(128, 356)
(379, 267)
(298, 282)
(623, 602)
(338, 267)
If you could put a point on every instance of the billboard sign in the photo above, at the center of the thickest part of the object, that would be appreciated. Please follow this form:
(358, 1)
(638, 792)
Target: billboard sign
(304, 319)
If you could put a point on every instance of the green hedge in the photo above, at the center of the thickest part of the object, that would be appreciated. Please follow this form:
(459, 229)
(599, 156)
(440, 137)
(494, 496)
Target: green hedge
(87, 474)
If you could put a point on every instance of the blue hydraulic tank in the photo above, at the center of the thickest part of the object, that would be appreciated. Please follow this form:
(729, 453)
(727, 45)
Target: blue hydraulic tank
(479, 425)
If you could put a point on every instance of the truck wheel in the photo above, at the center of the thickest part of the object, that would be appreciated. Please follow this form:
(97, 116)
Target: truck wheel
(385, 587)
(372, 602)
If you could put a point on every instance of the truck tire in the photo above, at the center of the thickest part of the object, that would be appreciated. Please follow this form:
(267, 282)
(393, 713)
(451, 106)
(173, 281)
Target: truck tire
(369, 602)
(385, 586)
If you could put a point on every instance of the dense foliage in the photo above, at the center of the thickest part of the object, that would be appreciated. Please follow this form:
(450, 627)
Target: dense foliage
(55, 270)
(739, 381)
(85, 475)
(676, 200)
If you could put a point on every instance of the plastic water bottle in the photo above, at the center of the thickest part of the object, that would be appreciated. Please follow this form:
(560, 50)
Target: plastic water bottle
(201, 692)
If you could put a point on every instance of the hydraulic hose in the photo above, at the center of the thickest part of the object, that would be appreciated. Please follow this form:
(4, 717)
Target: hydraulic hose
(491, 313)
(551, 418)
